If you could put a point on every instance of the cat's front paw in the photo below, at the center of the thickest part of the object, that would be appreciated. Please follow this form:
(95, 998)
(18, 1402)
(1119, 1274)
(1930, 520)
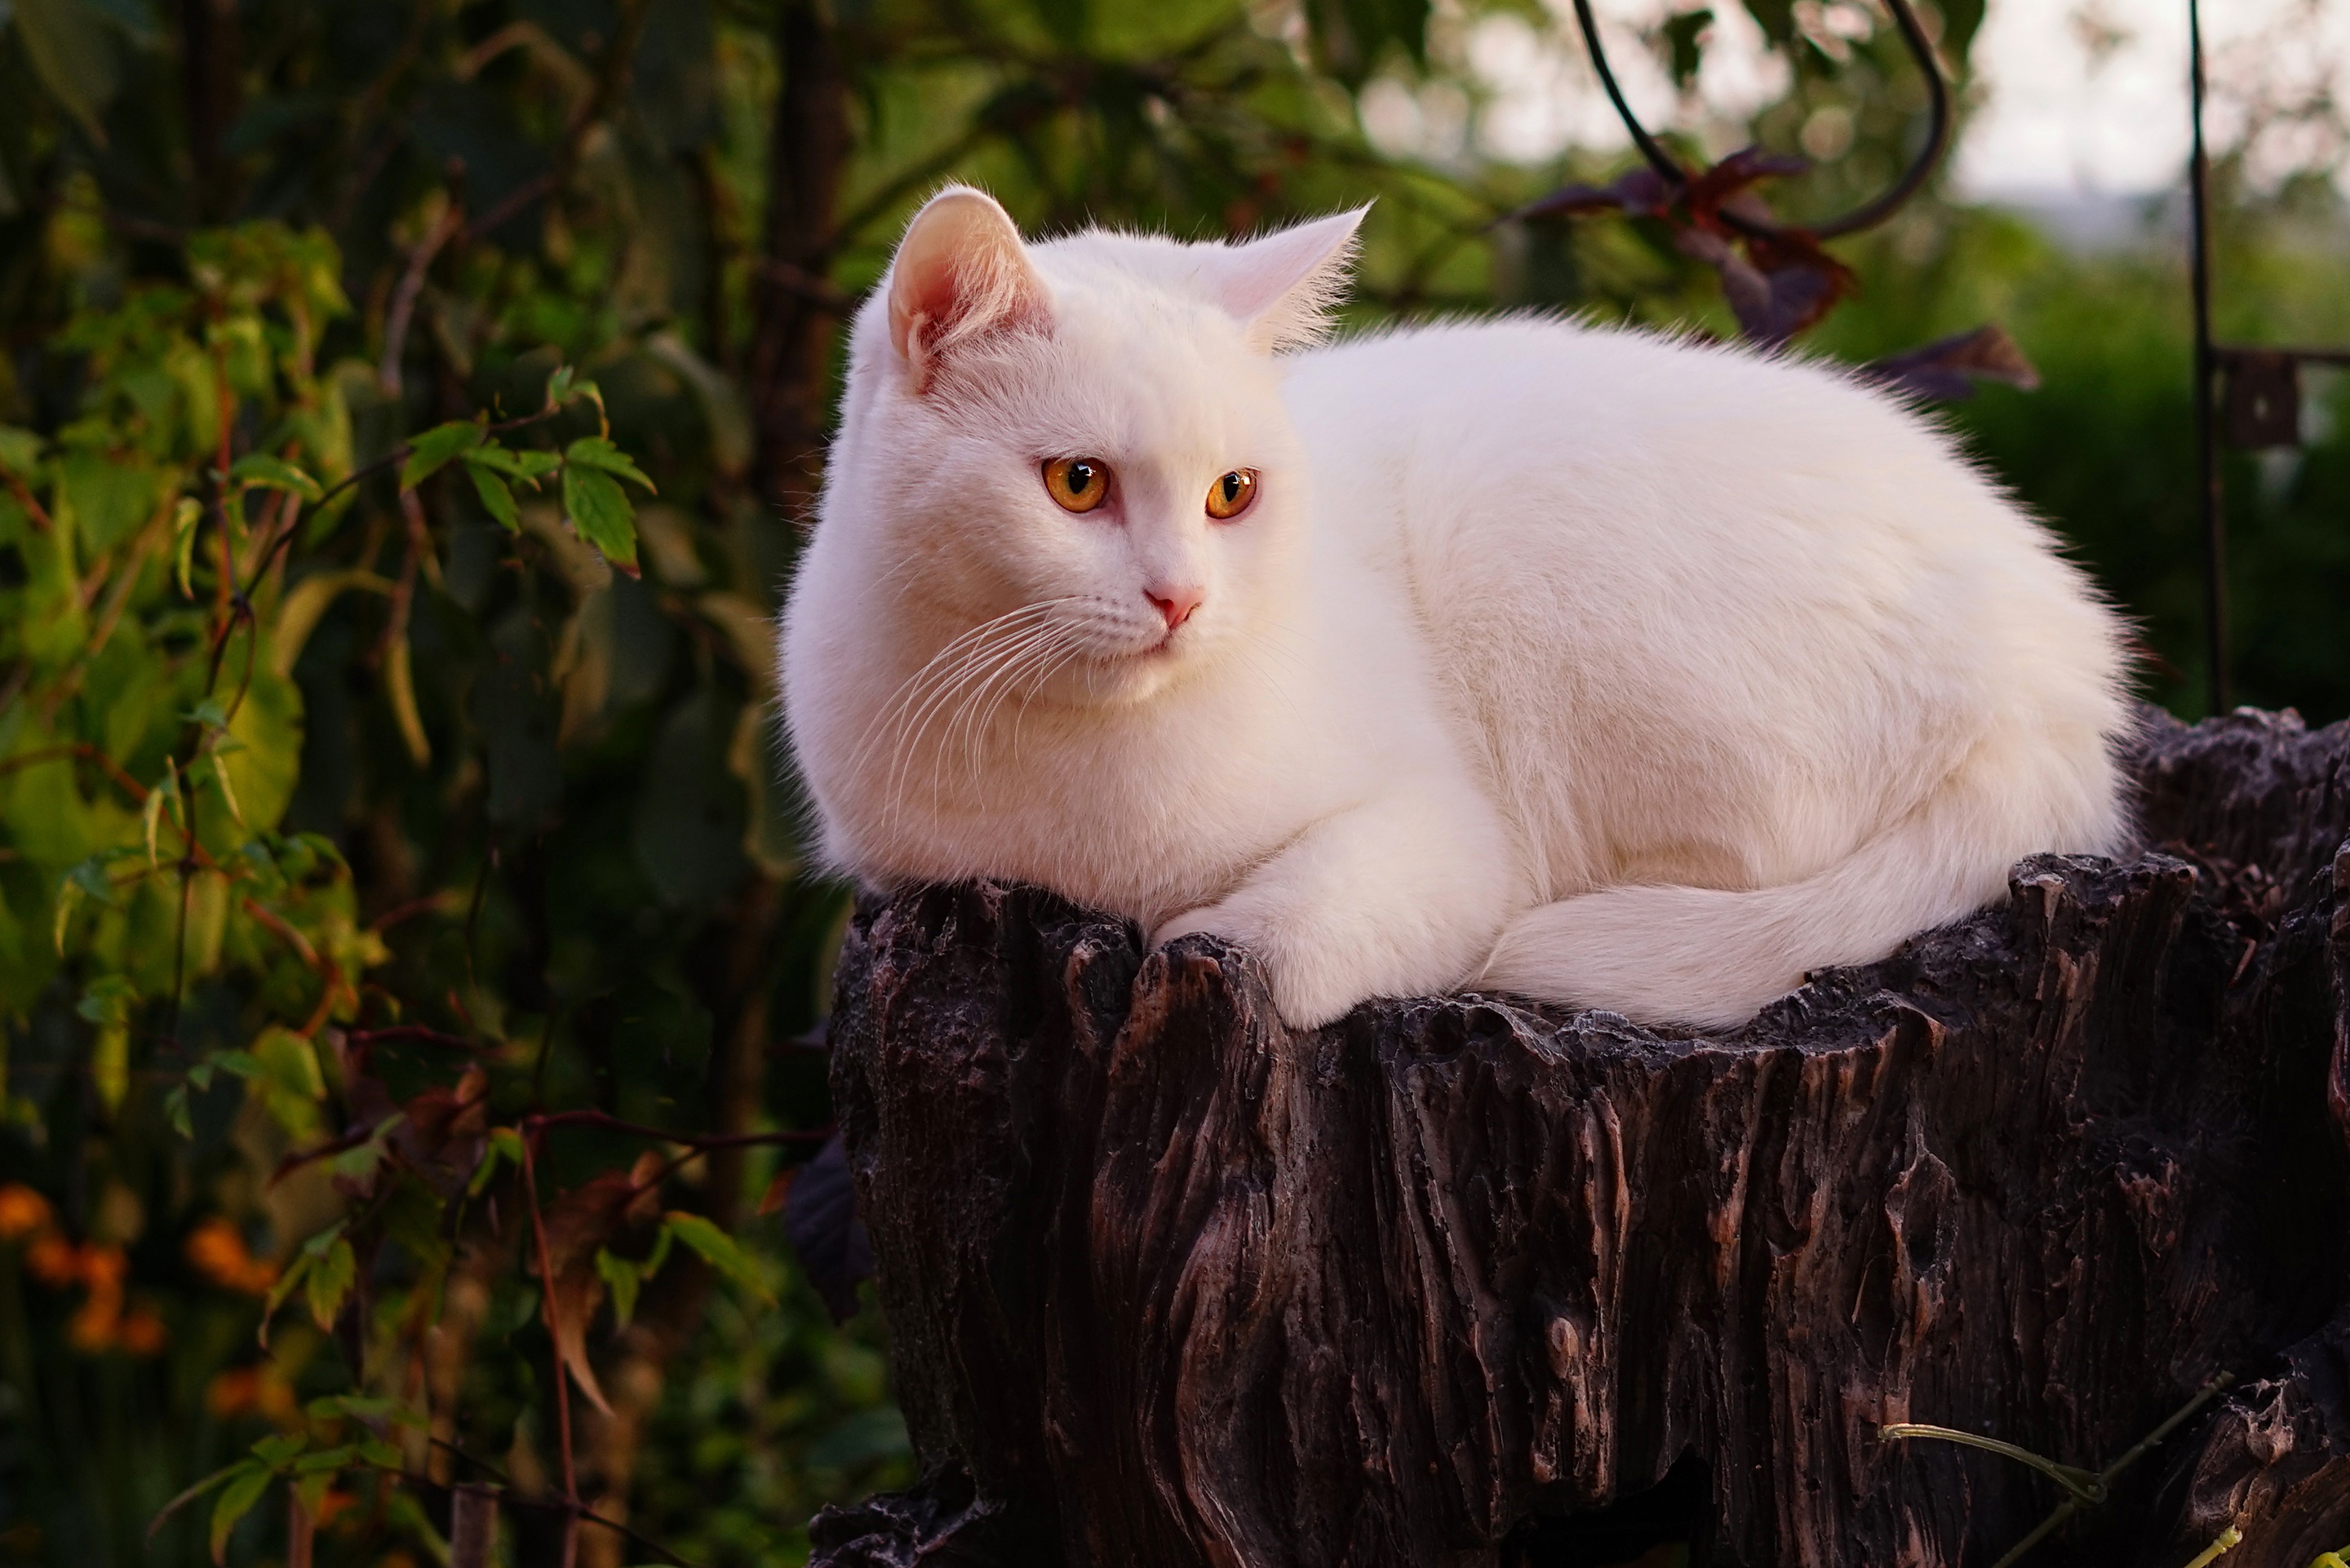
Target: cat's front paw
(1306, 993)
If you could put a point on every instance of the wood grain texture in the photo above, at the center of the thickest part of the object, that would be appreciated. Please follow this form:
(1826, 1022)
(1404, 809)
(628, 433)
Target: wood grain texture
(1171, 1284)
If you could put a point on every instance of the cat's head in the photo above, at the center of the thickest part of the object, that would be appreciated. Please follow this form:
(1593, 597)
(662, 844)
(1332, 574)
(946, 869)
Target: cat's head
(1077, 449)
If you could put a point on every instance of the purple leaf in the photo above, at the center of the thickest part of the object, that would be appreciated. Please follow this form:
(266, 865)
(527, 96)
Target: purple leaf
(820, 1219)
(1949, 367)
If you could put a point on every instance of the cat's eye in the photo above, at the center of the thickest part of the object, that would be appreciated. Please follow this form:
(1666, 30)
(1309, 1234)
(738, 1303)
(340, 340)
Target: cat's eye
(1078, 484)
(1230, 495)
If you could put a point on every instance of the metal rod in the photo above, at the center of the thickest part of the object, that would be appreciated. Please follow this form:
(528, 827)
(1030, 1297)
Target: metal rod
(2207, 425)
(1866, 215)
(2226, 352)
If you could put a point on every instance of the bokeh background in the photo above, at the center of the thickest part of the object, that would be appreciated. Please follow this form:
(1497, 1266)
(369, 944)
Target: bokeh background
(404, 937)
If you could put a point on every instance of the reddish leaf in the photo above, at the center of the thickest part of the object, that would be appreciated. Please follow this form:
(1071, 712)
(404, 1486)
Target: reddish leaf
(1776, 287)
(1726, 186)
(1949, 367)
(1642, 193)
(777, 1191)
(442, 1134)
(578, 1223)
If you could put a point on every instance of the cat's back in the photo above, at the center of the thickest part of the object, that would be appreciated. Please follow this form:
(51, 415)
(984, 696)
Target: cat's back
(1693, 567)
(1527, 393)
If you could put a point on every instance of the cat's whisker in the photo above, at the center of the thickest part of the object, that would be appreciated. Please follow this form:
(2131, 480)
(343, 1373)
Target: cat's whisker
(1074, 651)
(1022, 684)
(946, 665)
(981, 662)
(936, 683)
(971, 718)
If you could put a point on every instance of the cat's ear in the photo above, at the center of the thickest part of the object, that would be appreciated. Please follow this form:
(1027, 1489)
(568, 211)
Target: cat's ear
(960, 274)
(1282, 287)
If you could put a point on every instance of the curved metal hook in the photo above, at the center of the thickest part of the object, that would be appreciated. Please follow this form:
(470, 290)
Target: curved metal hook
(1938, 135)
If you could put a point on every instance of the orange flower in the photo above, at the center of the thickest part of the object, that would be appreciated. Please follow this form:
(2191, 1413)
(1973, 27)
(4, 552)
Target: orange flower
(142, 1332)
(244, 1388)
(102, 1268)
(22, 1212)
(54, 1260)
(233, 1392)
(98, 1326)
(216, 1249)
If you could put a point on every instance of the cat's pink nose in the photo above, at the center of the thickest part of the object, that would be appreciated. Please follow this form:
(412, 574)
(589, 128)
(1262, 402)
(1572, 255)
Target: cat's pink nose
(1175, 605)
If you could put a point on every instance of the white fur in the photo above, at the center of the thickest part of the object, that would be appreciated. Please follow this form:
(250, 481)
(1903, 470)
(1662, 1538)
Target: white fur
(1586, 664)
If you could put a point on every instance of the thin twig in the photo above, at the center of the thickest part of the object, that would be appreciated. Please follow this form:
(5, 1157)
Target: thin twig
(413, 1035)
(2086, 1489)
(519, 1500)
(562, 1373)
(411, 283)
(24, 494)
(2083, 1486)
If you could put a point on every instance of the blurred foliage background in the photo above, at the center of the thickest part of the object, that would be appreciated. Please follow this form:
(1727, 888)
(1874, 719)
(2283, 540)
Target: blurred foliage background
(407, 415)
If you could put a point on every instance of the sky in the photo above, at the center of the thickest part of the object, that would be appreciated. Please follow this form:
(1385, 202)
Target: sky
(2080, 98)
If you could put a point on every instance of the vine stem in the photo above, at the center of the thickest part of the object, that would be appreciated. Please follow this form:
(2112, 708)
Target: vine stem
(562, 1373)
(2084, 1490)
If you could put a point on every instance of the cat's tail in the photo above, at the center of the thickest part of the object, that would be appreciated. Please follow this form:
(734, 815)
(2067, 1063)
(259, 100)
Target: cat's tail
(1706, 957)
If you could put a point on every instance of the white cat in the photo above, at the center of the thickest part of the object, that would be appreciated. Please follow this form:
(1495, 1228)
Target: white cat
(1585, 664)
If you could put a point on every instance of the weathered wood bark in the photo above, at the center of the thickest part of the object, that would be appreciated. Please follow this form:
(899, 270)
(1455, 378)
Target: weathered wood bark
(1171, 1284)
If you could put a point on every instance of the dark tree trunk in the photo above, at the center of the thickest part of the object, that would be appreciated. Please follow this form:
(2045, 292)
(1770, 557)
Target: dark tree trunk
(209, 92)
(794, 305)
(1171, 1284)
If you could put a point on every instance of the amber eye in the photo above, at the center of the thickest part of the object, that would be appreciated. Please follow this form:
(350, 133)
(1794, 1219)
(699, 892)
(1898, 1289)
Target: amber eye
(1078, 484)
(1230, 496)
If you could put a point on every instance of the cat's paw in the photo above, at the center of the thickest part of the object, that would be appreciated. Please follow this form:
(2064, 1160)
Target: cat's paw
(1307, 994)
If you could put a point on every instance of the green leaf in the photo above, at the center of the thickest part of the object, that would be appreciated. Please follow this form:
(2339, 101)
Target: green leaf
(358, 1164)
(594, 394)
(1682, 38)
(331, 1278)
(595, 452)
(194, 1492)
(660, 1254)
(325, 1460)
(505, 1144)
(312, 1490)
(235, 1503)
(276, 1450)
(260, 470)
(69, 897)
(600, 510)
(150, 815)
(185, 518)
(365, 1407)
(558, 386)
(497, 499)
(298, 1270)
(108, 998)
(20, 451)
(529, 465)
(175, 1110)
(718, 1250)
(619, 1275)
(72, 56)
(429, 452)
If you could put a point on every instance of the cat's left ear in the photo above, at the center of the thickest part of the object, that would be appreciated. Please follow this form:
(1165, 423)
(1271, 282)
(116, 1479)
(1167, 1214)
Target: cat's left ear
(1282, 287)
(959, 274)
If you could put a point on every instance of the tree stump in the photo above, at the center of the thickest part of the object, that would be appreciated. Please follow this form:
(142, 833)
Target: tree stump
(1461, 1280)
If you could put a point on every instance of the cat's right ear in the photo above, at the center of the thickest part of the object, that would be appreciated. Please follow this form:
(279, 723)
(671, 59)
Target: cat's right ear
(960, 274)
